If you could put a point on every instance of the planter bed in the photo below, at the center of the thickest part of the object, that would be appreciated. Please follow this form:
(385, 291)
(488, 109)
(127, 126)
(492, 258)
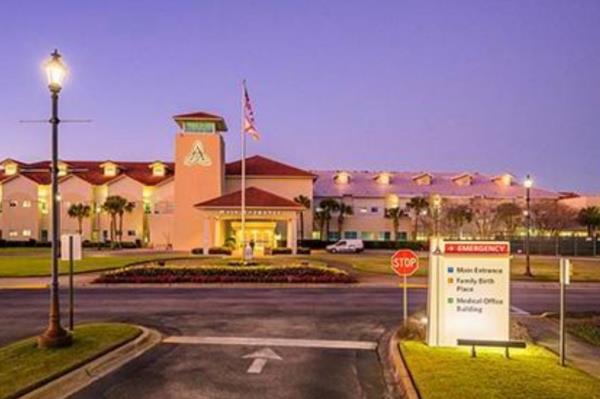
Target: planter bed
(226, 274)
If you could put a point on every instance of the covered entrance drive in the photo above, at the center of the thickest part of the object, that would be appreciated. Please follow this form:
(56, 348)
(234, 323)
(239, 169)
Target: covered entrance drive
(271, 221)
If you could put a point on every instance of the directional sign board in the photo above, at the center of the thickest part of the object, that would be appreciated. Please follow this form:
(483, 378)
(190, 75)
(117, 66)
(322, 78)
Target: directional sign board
(405, 262)
(468, 291)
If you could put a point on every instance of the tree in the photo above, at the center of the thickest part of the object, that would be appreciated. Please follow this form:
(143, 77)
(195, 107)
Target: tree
(343, 210)
(509, 215)
(417, 205)
(457, 216)
(116, 206)
(395, 214)
(589, 217)
(328, 207)
(305, 203)
(79, 212)
(552, 217)
(484, 216)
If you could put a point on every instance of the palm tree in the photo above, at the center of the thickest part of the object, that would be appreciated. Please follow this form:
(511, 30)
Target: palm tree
(457, 216)
(116, 206)
(589, 217)
(395, 214)
(304, 202)
(127, 207)
(343, 210)
(79, 212)
(328, 206)
(510, 215)
(417, 205)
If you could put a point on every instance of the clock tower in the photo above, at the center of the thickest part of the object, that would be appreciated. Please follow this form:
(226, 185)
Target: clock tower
(199, 174)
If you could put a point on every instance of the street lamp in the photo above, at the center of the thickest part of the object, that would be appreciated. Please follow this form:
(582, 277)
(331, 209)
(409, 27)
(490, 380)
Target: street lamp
(55, 335)
(435, 202)
(528, 183)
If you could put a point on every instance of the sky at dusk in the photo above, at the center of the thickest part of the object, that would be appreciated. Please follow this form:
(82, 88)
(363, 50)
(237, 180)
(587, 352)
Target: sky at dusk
(487, 86)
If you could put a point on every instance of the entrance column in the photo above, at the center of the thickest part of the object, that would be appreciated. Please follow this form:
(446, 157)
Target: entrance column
(206, 235)
(292, 235)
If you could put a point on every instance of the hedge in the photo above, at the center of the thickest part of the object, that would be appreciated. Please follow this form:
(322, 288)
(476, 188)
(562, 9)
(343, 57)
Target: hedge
(226, 274)
(414, 245)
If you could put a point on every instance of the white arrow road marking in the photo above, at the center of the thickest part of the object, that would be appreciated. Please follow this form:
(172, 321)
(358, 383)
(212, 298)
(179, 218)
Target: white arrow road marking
(261, 357)
(520, 311)
(297, 343)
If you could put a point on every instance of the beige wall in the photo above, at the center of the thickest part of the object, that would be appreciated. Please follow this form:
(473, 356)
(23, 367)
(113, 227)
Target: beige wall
(284, 187)
(18, 218)
(75, 191)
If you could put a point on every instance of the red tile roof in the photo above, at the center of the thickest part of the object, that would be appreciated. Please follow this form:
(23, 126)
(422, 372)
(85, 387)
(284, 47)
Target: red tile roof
(91, 172)
(255, 198)
(260, 166)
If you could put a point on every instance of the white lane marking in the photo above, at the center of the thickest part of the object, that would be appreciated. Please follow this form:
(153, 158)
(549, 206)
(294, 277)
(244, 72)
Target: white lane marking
(298, 343)
(261, 357)
(520, 311)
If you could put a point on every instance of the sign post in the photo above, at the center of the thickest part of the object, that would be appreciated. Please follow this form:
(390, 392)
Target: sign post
(405, 263)
(565, 279)
(71, 251)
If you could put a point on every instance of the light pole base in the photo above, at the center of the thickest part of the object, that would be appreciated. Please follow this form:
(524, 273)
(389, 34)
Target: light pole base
(55, 338)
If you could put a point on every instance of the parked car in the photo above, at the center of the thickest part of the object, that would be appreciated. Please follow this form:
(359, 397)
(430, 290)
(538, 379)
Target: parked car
(353, 246)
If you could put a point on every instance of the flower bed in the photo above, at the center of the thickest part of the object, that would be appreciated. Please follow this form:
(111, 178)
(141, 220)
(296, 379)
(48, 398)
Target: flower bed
(226, 274)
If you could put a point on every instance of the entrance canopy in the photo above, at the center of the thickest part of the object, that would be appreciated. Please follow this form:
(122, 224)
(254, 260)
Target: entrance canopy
(270, 219)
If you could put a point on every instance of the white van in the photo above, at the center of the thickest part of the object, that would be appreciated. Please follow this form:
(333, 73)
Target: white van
(346, 246)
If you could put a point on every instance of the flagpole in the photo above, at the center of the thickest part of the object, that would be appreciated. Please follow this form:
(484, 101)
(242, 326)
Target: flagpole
(243, 183)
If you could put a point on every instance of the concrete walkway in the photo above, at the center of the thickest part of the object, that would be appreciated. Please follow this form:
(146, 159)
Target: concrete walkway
(580, 354)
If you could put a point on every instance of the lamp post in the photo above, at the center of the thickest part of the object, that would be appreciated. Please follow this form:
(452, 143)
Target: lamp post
(435, 202)
(55, 335)
(528, 183)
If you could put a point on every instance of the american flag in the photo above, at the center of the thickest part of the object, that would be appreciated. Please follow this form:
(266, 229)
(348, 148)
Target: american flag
(249, 122)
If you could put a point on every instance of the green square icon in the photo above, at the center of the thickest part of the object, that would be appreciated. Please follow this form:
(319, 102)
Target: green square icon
(450, 300)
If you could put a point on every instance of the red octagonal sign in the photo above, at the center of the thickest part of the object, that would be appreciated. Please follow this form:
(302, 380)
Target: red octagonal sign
(405, 262)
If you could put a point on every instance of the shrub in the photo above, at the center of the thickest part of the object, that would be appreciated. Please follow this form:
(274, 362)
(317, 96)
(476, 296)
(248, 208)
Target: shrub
(219, 251)
(198, 251)
(281, 251)
(227, 274)
(303, 251)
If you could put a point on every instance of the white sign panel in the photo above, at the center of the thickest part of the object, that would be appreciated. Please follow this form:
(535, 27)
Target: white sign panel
(65, 247)
(469, 292)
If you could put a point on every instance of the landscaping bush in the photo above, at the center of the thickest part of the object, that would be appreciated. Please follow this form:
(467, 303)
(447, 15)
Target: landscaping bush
(219, 251)
(227, 274)
(414, 245)
(198, 251)
(281, 251)
(303, 251)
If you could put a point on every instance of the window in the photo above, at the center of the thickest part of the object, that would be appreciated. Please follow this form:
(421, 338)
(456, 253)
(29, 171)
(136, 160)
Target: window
(350, 235)
(199, 126)
(131, 233)
(385, 236)
(44, 236)
(368, 236)
(374, 209)
(26, 204)
(13, 203)
(13, 233)
(334, 236)
(26, 233)
(363, 209)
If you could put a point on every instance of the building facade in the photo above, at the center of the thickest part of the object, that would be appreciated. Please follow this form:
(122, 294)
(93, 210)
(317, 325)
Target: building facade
(194, 200)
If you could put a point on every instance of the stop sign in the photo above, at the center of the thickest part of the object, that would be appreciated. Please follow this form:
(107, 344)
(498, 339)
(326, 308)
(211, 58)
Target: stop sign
(405, 262)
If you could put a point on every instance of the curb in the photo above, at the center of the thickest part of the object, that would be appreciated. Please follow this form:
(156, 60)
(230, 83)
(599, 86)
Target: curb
(400, 369)
(83, 376)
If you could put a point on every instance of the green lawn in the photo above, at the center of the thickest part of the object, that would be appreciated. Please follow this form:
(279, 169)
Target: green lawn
(21, 266)
(543, 269)
(22, 364)
(586, 327)
(530, 373)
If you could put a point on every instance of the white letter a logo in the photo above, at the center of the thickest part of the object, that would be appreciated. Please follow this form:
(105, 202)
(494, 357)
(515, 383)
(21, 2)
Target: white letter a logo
(197, 156)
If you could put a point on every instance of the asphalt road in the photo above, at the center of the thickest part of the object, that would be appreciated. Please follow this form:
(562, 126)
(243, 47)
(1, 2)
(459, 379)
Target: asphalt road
(221, 371)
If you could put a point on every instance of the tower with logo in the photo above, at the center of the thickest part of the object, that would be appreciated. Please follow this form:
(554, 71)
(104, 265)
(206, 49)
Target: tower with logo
(199, 175)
